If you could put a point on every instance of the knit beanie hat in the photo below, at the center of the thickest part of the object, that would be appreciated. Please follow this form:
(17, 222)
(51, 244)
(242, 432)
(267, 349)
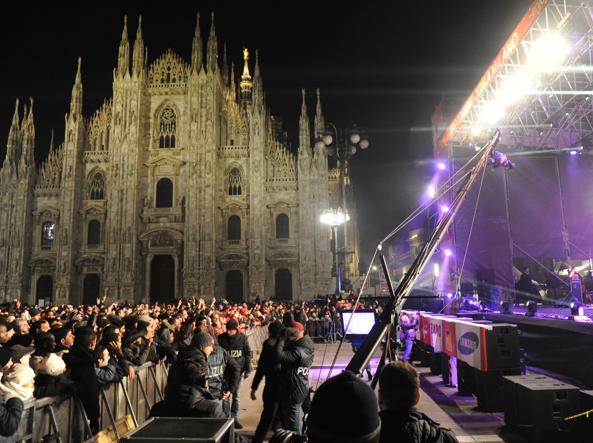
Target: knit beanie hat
(326, 421)
(201, 340)
(54, 365)
(232, 325)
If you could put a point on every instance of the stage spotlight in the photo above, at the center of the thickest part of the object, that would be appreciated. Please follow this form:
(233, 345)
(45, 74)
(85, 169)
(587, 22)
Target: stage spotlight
(431, 191)
(475, 131)
(576, 308)
(448, 252)
(441, 166)
(531, 308)
(548, 52)
(573, 152)
(505, 307)
(444, 208)
(483, 306)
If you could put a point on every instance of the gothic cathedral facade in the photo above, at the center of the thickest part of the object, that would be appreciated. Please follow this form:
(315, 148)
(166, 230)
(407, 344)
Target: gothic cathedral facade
(176, 186)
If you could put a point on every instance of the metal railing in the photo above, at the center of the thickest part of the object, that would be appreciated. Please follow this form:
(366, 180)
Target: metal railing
(63, 419)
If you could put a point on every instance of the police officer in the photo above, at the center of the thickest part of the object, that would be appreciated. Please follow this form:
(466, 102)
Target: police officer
(294, 351)
(236, 344)
(224, 374)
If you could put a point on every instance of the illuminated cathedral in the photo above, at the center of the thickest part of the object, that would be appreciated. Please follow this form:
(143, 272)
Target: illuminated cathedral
(178, 185)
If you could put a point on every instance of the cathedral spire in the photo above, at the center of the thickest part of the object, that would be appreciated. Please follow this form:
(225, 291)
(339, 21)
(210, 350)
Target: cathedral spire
(319, 119)
(76, 99)
(304, 129)
(196, 48)
(258, 89)
(123, 57)
(246, 84)
(233, 86)
(212, 57)
(12, 144)
(28, 136)
(225, 66)
(138, 56)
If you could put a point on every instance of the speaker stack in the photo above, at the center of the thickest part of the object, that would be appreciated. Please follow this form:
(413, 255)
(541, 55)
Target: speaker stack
(536, 406)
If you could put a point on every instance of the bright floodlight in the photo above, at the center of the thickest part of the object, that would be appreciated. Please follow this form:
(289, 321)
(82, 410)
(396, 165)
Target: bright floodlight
(364, 143)
(444, 208)
(374, 268)
(548, 52)
(476, 130)
(355, 137)
(334, 217)
(492, 113)
(448, 252)
(327, 139)
(441, 166)
(573, 152)
(436, 270)
(431, 191)
(516, 87)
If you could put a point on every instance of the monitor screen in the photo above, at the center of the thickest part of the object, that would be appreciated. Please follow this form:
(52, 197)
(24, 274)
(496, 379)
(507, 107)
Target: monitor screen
(361, 324)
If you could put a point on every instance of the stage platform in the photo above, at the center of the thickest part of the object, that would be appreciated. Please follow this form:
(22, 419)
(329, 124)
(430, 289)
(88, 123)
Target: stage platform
(551, 341)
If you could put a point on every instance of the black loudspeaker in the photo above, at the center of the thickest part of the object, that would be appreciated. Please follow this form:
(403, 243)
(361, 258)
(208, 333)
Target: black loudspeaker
(489, 388)
(537, 406)
(183, 429)
(466, 288)
(502, 347)
(465, 379)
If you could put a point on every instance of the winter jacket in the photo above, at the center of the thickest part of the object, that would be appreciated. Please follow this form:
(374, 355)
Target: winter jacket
(187, 355)
(51, 386)
(412, 426)
(140, 354)
(224, 374)
(11, 412)
(111, 373)
(238, 348)
(267, 365)
(296, 358)
(81, 363)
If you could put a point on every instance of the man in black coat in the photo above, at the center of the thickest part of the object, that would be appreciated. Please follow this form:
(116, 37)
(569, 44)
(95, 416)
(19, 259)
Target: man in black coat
(186, 394)
(268, 366)
(80, 361)
(399, 393)
(237, 346)
(11, 410)
(295, 354)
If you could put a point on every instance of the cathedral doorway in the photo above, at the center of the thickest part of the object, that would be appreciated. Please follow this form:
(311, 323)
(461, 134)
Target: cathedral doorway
(91, 289)
(234, 286)
(283, 284)
(162, 279)
(44, 290)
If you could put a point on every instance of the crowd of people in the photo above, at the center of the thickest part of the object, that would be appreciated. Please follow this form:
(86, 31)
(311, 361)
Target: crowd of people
(78, 350)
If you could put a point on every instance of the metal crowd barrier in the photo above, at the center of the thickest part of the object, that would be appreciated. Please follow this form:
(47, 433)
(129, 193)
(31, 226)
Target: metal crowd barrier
(324, 329)
(63, 420)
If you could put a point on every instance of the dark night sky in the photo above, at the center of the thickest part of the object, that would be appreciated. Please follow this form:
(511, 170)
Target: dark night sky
(381, 64)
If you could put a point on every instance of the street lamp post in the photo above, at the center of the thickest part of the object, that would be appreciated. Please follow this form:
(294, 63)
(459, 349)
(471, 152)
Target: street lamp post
(335, 218)
(342, 145)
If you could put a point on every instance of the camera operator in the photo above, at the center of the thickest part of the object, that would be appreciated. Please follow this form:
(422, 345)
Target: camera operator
(294, 351)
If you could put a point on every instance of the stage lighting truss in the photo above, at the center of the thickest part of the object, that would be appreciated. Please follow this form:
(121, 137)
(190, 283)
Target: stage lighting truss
(541, 97)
